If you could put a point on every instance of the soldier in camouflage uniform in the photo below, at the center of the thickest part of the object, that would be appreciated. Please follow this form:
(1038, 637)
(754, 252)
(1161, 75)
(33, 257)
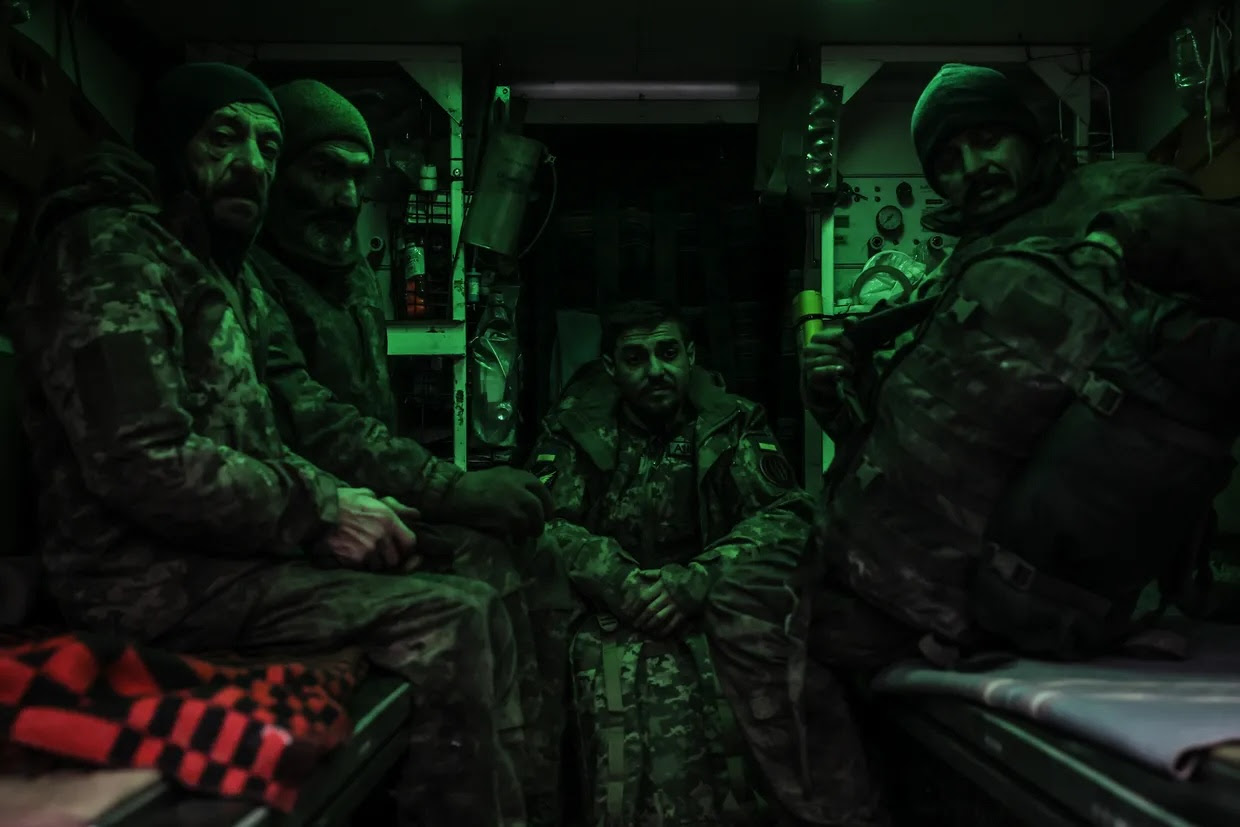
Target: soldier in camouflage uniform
(873, 594)
(172, 510)
(327, 372)
(662, 482)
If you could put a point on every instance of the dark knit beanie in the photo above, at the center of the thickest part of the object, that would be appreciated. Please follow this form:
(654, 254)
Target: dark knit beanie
(180, 103)
(313, 113)
(962, 97)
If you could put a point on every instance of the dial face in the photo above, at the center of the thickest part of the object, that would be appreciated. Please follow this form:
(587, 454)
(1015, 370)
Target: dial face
(890, 219)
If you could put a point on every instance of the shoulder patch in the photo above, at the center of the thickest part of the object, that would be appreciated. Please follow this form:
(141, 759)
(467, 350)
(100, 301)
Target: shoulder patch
(544, 468)
(777, 470)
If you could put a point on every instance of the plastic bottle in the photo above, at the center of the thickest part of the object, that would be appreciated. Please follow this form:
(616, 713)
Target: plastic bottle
(1188, 69)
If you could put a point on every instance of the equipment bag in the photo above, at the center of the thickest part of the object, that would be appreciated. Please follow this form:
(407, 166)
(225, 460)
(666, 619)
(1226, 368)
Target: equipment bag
(1028, 468)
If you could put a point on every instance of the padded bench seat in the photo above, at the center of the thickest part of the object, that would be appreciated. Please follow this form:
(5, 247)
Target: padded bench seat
(381, 708)
(1042, 777)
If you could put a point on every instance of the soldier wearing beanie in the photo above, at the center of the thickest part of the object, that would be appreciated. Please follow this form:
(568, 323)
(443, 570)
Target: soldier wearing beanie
(175, 512)
(1012, 192)
(975, 138)
(329, 379)
(317, 196)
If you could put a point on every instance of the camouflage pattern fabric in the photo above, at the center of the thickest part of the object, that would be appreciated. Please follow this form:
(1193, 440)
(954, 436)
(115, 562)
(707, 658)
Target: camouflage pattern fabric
(327, 373)
(450, 637)
(1066, 212)
(338, 321)
(328, 376)
(149, 424)
(747, 500)
(553, 615)
(716, 489)
(173, 512)
(1150, 206)
(1151, 210)
(650, 731)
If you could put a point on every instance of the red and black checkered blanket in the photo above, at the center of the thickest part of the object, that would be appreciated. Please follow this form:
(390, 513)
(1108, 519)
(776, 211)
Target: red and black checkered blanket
(248, 732)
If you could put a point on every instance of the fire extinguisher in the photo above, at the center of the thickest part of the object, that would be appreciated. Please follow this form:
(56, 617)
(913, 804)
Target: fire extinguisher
(415, 281)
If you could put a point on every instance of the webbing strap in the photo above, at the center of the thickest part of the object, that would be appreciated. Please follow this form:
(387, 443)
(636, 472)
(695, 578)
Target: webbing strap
(613, 654)
(614, 736)
(733, 748)
(613, 739)
(1072, 370)
(1020, 575)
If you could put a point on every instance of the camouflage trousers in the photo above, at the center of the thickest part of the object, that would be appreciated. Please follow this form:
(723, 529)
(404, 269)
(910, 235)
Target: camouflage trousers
(467, 553)
(781, 662)
(553, 609)
(449, 636)
(653, 749)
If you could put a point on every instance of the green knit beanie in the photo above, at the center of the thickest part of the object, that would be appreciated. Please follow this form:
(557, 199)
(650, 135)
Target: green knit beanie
(313, 113)
(962, 97)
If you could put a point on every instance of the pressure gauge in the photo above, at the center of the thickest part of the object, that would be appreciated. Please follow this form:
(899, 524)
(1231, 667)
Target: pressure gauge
(890, 220)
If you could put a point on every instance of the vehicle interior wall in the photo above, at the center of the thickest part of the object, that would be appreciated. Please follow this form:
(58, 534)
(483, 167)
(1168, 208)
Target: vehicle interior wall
(107, 77)
(62, 88)
(1154, 119)
(1145, 105)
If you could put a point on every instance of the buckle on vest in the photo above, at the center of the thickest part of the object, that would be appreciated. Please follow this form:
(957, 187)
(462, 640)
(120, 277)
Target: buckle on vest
(608, 622)
(1101, 395)
(1014, 570)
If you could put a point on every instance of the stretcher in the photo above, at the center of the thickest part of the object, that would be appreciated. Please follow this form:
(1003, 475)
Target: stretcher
(1117, 742)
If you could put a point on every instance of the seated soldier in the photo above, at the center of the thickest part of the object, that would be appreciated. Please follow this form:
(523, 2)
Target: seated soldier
(1045, 440)
(173, 512)
(661, 479)
(328, 376)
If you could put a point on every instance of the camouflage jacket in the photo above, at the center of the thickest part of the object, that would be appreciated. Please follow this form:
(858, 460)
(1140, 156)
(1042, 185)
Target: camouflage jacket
(162, 472)
(746, 499)
(888, 521)
(1153, 210)
(327, 372)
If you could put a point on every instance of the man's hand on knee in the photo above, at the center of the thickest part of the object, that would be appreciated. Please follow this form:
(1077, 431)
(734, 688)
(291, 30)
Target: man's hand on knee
(371, 534)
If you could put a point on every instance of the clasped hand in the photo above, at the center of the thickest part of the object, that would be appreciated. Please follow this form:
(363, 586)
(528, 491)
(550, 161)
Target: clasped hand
(373, 532)
(657, 604)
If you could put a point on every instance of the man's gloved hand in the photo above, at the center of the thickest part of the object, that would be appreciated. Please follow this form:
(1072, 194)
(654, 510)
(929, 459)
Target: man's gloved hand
(504, 500)
(370, 534)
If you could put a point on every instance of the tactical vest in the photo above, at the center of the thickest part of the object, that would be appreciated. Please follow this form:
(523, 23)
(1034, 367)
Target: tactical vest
(1027, 470)
(656, 738)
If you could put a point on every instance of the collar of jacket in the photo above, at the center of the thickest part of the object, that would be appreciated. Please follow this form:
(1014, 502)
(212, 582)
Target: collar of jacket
(184, 216)
(586, 412)
(331, 276)
(288, 275)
